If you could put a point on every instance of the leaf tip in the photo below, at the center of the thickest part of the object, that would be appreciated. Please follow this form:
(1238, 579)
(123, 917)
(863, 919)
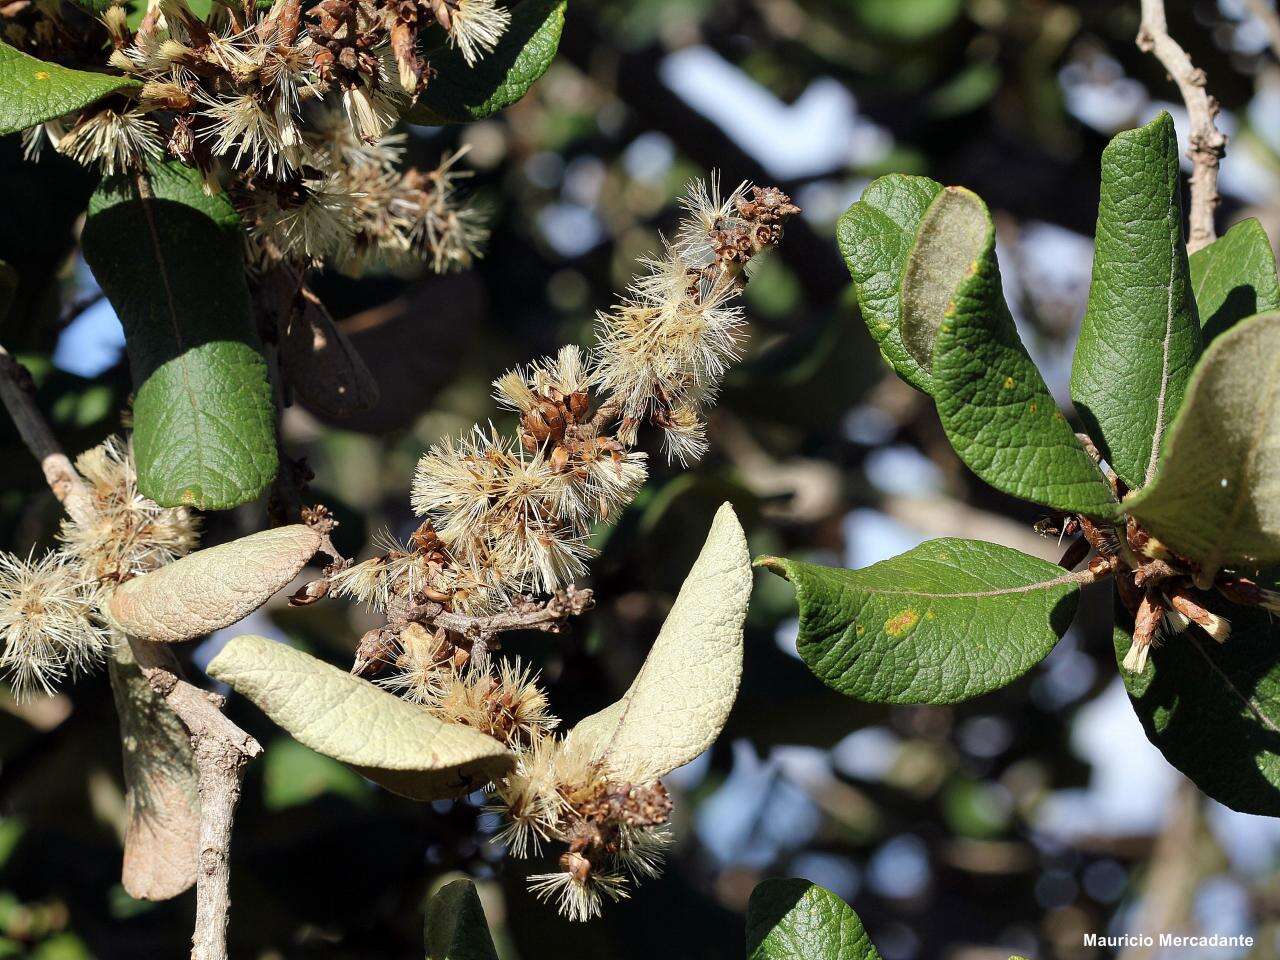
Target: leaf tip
(773, 564)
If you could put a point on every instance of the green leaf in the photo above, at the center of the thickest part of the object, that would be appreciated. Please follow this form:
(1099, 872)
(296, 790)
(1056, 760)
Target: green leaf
(1216, 495)
(462, 93)
(944, 622)
(1214, 710)
(799, 920)
(1141, 334)
(456, 928)
(32, 91)
(396, 744)
(292, 775)
(993, 403)
(1234, 277)
(876, 236)
(170, 263)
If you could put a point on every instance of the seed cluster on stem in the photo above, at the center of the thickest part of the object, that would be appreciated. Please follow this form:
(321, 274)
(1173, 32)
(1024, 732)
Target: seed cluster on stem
(505, 531)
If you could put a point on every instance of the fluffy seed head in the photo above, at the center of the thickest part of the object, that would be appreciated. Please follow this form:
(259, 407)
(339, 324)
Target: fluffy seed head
(46, 622)
(128, 534)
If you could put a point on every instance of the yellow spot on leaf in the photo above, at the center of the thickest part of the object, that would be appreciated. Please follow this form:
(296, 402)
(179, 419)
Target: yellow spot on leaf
(1008, 383)
(897, 626)
(42, 74)
(1032, 406)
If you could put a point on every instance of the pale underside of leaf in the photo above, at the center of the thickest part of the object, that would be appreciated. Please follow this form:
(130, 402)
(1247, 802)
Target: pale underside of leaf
(396, 744)
(1216, 495)
(212, 588)
(679, 702)
(162, 829)
(951, 236)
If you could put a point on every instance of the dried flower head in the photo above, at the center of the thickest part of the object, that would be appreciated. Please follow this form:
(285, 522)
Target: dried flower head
(474, 26)
(128, 534)
(508, 706)
(46, 622)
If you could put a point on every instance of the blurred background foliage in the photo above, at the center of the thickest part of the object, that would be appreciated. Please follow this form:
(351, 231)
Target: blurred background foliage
(1014, 823)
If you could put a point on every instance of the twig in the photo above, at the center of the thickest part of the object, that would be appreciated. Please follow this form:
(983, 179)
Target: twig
(1208, 143)
(1172, 873)
(18, 393)
(527, 614)
(221, 748)
(378, 646)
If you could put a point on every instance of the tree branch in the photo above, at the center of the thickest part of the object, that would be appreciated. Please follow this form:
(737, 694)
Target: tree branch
(379, 646)
(1208, 143)
(221, 748)
(17, 390)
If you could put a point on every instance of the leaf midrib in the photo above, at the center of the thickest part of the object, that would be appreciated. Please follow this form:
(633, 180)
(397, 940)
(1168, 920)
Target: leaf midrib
(1249, 703)
(145, 197)
(1158, 433)
(1081, 576)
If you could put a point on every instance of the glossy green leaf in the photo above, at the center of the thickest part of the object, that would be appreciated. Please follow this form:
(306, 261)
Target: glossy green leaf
(32, 91)
(1234, 277)
(1216, 495)
(1141, 334)
(799, 920)
(944, 622)
(396, 744)
(1214, 710)
(462, 93)
(170, 263)
(456, 928)
(876, 236)
(993, 403)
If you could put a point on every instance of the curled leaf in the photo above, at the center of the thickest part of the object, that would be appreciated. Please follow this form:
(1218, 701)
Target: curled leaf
(950, 239)
(456, 928)
(679, 702)
(212, 588)
(1215, 496)
(162, 830)
(1141, 333)
(396, 744)
(321, 365)
(876, 236)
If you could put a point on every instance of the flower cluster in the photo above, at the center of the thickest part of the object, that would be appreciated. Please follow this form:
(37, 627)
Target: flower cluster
(507, 518)
(292, 114)
(521, 508)
(51, 619)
